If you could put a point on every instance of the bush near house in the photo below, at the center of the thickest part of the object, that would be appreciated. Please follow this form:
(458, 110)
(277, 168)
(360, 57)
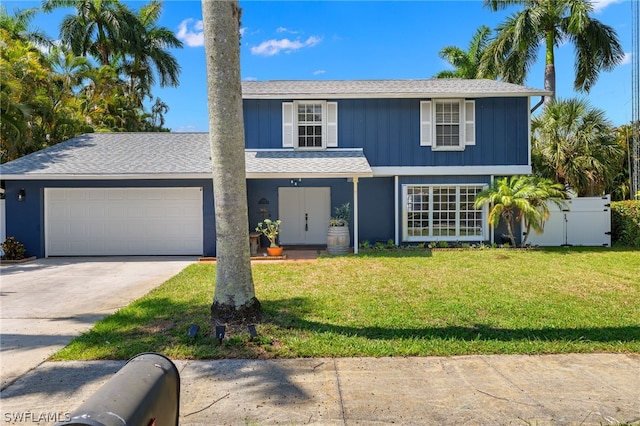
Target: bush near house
(625, 223)
(13, 250)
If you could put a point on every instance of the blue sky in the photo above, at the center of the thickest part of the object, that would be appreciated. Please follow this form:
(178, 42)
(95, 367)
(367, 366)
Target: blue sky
(340, 40)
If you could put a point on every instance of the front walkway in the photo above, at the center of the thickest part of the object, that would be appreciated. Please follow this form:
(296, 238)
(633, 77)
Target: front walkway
(295, 254)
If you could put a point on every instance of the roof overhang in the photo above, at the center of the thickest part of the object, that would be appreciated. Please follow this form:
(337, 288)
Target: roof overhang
(434, 95)
(260, 164)
(287, 163)
(386, 89)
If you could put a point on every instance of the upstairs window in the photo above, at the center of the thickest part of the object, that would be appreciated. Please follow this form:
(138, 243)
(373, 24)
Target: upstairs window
(447, 124)
(309, 125)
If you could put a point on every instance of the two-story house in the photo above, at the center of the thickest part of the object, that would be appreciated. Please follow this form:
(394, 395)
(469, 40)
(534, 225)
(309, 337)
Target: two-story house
(408, 155)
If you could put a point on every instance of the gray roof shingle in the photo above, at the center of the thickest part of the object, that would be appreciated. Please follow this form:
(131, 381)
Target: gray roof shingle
(118, 154)
(332, 163)
(335, 89)
(169, 155)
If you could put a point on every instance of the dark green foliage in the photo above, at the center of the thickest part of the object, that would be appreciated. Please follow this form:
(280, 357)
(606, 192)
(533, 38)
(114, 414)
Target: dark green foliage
(625, 223)
(13, 250)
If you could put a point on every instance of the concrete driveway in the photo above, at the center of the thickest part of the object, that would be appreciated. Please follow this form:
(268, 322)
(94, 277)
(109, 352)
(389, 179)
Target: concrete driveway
(47, 302)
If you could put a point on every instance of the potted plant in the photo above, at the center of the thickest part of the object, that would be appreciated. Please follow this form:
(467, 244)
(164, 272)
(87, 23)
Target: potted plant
(270, 229)
(338, 237)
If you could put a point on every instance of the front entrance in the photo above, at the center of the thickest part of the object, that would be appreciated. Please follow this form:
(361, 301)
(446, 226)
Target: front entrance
(305, 215)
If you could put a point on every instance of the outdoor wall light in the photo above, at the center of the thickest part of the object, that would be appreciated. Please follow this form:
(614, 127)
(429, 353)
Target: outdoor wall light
(263, 201)
(22, 194)
(296, 182)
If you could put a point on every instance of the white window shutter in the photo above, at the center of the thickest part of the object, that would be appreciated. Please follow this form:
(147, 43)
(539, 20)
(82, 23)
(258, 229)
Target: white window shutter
(332, 124)
(469, 122)
(426, 133)
(287, 124)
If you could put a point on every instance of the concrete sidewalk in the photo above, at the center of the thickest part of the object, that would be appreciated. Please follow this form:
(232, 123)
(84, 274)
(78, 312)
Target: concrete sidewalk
(577, 389)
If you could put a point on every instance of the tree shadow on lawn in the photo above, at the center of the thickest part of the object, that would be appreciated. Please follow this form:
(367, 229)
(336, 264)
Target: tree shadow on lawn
(161, 325)
(292, 313)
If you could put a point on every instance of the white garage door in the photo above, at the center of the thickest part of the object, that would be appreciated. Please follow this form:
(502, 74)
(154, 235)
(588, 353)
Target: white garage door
(123, 221)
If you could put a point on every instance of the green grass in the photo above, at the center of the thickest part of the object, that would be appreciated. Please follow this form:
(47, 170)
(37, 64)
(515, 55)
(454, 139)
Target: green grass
(395, 304)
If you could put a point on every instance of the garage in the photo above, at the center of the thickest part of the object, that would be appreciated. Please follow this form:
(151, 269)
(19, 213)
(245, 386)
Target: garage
(123, 221)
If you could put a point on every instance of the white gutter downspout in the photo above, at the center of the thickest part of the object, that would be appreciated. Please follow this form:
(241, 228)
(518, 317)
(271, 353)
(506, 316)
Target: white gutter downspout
(491, 230)
(395, 210)
(355, 215)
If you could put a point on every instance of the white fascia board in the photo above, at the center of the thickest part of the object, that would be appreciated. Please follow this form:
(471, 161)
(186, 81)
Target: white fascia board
(452, 171)
(108, 177)
(468, 95)
(250, 150)
(307, 175)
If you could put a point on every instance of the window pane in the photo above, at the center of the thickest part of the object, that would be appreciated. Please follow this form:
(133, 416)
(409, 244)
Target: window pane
(447, 124)
(418, 211)
(310, 125)
(453, 213)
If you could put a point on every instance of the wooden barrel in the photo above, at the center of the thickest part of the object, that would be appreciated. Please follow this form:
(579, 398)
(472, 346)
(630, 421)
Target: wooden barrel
(338, 240)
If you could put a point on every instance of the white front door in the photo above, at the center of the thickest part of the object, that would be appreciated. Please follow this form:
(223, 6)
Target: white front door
(304, 213)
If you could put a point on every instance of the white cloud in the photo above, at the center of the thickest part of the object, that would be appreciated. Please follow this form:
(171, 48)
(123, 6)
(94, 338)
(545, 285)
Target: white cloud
(599, 5)
(190, 32)
(250, 79)
(286, 30)
(242, 31)
(319, 72)
(627, 58)
(273, 46)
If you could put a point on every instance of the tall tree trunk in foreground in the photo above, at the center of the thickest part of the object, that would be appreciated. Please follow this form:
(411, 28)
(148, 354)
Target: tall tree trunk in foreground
(234, 298)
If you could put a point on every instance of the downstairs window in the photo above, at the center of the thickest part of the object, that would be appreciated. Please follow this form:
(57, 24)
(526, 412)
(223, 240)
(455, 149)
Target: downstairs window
(442, 212)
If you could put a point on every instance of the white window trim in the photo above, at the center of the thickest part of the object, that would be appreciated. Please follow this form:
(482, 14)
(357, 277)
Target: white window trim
(431, 237)
(466, 124)
(290, 124)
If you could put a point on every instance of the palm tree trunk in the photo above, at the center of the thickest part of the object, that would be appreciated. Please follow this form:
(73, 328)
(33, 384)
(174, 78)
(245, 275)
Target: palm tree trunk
(549, 69)
(508, 219)
(234, 297)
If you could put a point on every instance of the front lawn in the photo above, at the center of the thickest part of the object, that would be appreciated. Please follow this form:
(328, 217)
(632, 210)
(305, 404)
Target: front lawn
(496, 301)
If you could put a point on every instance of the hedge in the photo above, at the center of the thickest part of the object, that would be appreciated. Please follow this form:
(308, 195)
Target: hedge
(625, 223)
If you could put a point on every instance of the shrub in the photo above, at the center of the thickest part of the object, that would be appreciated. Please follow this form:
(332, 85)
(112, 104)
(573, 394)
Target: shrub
(13, 250)
(625, 223)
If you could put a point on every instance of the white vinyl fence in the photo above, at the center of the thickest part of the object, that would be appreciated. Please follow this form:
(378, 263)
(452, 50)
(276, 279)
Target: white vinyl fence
(3, 229)
(586, 221)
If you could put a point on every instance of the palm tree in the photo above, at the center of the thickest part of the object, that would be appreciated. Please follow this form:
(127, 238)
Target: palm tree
(572, 143)
(510, 198)
(18, 27)
(147, 49)
(69, 68)
(234, 297)
(467, 63)
(25, 76)
(549, 23)
(544, 191)
(98, 28)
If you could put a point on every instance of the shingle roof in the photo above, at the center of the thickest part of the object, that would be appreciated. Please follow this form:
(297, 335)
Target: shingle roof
(335, 89)
(171, 155)
(118, 154)
(332, 163)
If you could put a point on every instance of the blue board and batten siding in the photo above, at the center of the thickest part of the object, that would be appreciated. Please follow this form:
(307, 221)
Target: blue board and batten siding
(388, 130)
(26, 221)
